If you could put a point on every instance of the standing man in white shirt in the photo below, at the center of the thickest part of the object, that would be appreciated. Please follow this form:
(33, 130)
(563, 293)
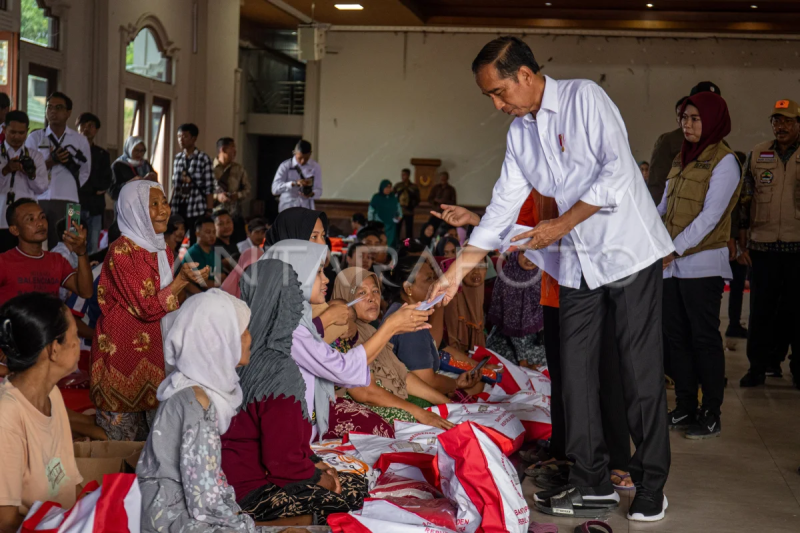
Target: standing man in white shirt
(67, 156)
(298, 180)
(569, 142)
(24, 174)
(702, 190)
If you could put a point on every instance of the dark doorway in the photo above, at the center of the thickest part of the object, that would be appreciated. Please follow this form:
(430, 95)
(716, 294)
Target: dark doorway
(272, 151)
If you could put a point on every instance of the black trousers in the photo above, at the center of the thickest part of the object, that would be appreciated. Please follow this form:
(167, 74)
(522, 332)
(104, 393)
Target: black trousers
(7, 241)
(408, 223)
(736, 296)
(774, 311)
(54, 210)
(634, 303)
(691, 326)
(552, 348)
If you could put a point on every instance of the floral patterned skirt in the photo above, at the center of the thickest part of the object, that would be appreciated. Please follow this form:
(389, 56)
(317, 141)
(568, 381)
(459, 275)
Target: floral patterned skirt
(346, 416)
(126, 426)
(271, 502)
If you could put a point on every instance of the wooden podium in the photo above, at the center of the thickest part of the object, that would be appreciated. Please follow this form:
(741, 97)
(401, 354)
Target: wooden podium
(425, 175)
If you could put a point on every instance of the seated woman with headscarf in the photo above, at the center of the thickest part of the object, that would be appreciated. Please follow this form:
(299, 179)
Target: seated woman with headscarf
(288, 389)
(463, 316)
(516, 314)
(393, 393)
(385, 207)
(183, 487)
(409, 281)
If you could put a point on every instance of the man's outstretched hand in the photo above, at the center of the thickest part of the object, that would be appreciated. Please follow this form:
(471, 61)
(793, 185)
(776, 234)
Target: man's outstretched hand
(457, 216)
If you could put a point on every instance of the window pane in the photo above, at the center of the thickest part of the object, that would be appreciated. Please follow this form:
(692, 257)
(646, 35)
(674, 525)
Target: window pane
(37, 95)
(158, 147)
(35, 26)
(131, 125)
(156, 114)
(143, 57)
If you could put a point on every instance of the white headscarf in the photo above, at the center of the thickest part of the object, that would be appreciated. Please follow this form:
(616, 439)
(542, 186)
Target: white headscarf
(204, 346)
(305, 258)
(133, 218)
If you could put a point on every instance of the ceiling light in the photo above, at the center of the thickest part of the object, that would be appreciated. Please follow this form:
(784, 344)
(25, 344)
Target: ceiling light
(649, 5)
(349, 7)
(754, 7)
(548, 4)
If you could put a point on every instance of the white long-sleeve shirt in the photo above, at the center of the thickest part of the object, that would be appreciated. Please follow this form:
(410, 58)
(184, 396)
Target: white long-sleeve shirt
(708, 263)
(24, 186)
(289, 172)
(62, 183)
(577, 149)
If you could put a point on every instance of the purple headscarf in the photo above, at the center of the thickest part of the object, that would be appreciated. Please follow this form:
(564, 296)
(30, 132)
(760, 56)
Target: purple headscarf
(516, 309)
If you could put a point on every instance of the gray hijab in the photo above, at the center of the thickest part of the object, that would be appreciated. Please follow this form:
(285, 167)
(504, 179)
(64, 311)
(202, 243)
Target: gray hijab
(276, 311)
(305, 258)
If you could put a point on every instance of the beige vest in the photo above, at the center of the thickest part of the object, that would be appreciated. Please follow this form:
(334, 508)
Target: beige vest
(686, 193)
(775, 210)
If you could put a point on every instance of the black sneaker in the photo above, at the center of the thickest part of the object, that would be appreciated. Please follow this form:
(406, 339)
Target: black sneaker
(736, 331)
(774, 371)
(648, 506)
(752, 380)
(681, 418)
(708, 426)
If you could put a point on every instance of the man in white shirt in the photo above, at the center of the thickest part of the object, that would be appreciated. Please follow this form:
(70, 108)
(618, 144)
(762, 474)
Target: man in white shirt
(298, 180)
(24, 174)
(569, 142)
(67, 155)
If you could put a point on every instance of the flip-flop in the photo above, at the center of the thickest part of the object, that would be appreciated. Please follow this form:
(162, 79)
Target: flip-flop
(594, 526)
(571, 503)
(623, 477)
(537, 527)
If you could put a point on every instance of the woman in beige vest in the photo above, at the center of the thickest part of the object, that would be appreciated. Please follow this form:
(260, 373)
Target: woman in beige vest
(702, 191)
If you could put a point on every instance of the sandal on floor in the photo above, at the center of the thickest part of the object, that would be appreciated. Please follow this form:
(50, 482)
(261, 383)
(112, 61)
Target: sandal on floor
(594, 526)
(537, 527)
(622, 477)
(548, 469)
(551, 482)
(571, 503)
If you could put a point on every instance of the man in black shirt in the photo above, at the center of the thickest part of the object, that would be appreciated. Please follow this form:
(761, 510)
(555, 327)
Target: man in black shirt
(92, 194)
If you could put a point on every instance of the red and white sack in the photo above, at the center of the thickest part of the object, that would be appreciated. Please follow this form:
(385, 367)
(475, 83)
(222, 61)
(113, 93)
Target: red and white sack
(540, 382)
(514, 378)
(481, 481)
(503, 427)
(416, 432)
(391, 485)
(371, 447)
(531, 408)
(399, 515)
(115, 506)
(419, 466)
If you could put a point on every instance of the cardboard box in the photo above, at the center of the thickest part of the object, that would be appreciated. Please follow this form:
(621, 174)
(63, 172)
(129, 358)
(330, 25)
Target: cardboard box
(97, 458)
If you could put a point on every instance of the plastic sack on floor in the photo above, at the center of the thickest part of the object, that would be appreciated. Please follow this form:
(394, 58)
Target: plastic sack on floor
(539, 380)
(481, 481)
(531, 408)
(371, 447)
(116, 506)
(416, 432)
(514, 378)
(503, 427)
(392, 485)
(397, 516)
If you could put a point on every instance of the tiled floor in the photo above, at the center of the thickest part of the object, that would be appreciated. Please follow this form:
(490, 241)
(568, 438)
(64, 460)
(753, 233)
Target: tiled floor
(744, 481)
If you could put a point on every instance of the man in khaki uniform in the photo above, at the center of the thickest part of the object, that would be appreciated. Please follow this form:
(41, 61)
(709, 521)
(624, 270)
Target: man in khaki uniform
(770, 209)
(231, 185)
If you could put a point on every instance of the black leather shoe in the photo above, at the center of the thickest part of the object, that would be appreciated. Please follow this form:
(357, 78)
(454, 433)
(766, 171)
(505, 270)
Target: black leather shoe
(752, 380)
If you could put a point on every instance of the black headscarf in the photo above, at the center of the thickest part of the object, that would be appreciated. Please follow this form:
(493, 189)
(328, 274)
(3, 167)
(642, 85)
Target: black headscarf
(276, 311)
(439, 252)
(295, 223)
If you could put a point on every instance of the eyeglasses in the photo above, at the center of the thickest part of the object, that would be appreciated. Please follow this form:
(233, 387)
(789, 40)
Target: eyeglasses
(781, 120)
(58, 107)
(686, 119)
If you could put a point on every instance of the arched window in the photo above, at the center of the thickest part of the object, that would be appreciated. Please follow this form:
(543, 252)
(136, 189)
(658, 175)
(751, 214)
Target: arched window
(144, 57)
(36, 26)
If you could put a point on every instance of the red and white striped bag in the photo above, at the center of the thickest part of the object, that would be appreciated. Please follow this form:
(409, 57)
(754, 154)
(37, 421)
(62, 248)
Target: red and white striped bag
(503, 427)
(398, 515)
(532, 409)
(514, 378)
(115, 506)
(482, 481)
(371, 447)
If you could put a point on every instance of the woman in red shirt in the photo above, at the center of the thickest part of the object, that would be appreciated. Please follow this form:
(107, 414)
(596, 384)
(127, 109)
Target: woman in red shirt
(136, 291)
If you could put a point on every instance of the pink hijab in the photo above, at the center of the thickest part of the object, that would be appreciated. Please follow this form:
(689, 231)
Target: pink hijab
(248, 257)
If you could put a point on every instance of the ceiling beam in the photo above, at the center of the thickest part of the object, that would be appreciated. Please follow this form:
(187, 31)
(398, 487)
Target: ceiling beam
(296, 13)
(413, 6)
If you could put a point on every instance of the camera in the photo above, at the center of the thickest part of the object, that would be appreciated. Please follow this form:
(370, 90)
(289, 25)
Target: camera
(28, 166)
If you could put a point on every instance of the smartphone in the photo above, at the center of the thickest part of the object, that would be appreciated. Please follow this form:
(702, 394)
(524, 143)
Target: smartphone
(73, 216)
(480, 365)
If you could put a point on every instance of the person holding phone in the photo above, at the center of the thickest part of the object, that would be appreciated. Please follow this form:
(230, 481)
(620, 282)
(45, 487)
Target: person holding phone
(298, 180)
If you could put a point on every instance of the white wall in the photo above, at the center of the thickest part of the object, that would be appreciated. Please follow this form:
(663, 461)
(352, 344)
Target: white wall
(378, 111)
